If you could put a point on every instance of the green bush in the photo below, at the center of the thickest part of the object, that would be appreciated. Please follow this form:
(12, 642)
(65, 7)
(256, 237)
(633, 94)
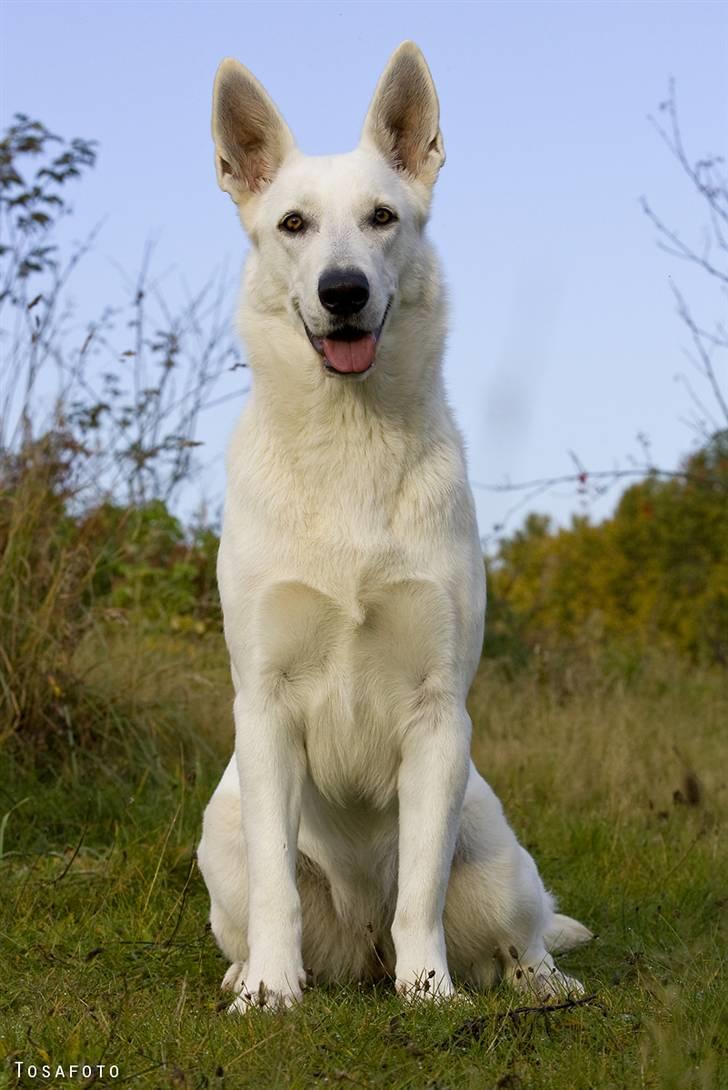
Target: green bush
(653, 575)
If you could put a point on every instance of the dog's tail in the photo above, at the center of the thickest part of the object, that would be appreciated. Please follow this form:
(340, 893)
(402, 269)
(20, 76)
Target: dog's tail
(563, 933)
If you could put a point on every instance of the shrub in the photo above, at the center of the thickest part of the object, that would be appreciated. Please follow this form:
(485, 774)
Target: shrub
(86, 487)
(653, 575)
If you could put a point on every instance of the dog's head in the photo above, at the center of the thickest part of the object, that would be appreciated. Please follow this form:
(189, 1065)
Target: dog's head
(338, 241)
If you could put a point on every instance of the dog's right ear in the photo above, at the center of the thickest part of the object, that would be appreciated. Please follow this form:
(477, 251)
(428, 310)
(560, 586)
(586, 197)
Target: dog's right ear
(251, 138)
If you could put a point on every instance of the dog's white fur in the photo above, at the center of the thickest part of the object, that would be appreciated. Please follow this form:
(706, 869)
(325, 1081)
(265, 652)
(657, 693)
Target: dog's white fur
(351, 836)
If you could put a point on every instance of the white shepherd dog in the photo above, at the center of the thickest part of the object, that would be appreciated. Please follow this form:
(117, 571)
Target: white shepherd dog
(351, 836)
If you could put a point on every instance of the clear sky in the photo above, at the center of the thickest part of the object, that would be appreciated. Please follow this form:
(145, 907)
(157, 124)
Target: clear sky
(563, 332)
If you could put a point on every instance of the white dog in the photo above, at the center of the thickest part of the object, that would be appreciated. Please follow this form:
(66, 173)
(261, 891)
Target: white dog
(351, 836)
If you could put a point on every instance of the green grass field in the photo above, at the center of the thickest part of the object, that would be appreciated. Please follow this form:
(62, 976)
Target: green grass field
(616, 783)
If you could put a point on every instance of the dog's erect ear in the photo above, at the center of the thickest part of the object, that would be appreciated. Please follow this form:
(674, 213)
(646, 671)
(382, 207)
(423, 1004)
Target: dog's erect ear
(403, 122)
(251, 138)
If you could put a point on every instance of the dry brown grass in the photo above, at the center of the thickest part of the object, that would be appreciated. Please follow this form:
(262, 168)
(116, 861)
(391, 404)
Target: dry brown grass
(103, 924)
(620, 747)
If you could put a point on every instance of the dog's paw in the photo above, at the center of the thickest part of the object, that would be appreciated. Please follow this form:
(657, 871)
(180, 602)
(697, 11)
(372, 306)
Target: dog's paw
(555, 985)
(428, 985)
(282, 992)
(264, 999)
(234, 977)
(542, 980)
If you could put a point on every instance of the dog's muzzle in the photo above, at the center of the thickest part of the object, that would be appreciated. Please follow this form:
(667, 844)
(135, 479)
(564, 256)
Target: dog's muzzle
(348, 351)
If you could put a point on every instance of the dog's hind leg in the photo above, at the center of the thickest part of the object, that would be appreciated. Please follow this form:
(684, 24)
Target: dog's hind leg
(222, 861)
(499, 919)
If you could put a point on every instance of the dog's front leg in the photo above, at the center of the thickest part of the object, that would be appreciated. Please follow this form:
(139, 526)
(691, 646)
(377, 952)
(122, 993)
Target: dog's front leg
(271, 767)
(431, 787)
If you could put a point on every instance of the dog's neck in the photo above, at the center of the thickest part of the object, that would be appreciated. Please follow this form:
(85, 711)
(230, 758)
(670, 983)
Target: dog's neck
(301, 404)
(345, 446)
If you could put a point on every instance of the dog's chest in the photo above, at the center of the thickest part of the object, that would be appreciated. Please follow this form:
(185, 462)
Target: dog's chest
(355, 674)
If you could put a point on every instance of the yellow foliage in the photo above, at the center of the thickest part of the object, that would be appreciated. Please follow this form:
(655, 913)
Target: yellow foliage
(654, 573)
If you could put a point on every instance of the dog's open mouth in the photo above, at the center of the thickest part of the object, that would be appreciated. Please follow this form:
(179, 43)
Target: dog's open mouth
(348, 350)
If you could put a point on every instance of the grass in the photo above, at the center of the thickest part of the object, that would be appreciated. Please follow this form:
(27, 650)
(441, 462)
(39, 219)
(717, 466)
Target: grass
(617, 786)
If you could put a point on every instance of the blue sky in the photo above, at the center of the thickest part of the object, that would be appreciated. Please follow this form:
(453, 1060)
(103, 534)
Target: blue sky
(563, 332)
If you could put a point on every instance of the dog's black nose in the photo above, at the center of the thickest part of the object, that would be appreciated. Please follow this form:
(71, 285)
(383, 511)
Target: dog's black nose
(343, 291)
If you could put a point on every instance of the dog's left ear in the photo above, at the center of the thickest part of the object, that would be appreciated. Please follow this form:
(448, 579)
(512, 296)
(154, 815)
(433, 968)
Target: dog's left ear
(403, 122)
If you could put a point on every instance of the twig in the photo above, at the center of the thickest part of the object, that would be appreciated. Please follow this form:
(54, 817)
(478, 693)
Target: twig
(72, 860)
(584, 477)
(170, 939)
(474, 1028)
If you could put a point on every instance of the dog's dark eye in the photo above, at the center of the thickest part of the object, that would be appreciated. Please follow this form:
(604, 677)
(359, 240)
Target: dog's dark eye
(292, 223)
(382, 216)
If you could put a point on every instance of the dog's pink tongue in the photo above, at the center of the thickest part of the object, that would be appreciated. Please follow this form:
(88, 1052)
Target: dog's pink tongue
(351, 356)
